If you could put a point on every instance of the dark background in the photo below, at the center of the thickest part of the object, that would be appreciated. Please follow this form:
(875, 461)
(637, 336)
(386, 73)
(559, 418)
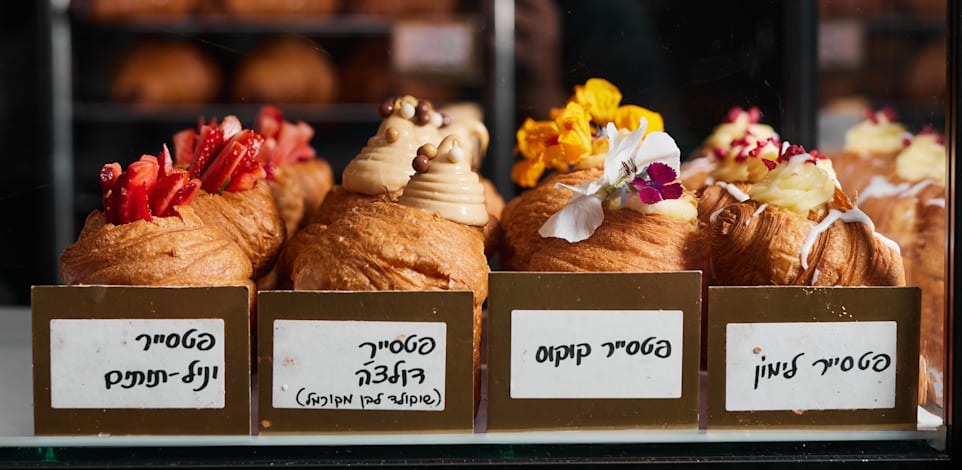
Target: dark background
(690, 67)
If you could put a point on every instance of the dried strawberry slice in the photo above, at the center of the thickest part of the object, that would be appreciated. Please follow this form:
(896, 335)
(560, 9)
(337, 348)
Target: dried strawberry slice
(211, 140)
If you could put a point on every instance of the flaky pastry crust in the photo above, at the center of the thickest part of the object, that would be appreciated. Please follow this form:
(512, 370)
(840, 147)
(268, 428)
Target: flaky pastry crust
(167, 251)
(524, 215)
(250, 219)
(751, 248)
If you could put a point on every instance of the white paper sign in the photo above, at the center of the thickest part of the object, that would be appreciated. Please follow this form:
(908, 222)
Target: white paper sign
(137, 363)
(445, 46)
(810, 366)
(596, 353)
(359, 365)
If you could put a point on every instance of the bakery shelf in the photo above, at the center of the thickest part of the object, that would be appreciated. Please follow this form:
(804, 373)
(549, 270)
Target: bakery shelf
(16, 428)
(106, 112)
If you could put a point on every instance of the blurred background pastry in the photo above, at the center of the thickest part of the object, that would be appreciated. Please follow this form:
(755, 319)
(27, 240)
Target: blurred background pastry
(287, 69)
(264, 8)
(165, 72)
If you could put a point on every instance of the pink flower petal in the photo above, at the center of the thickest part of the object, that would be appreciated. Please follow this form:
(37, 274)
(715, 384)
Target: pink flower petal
(649, 195)
(661, 174)
(672, 191)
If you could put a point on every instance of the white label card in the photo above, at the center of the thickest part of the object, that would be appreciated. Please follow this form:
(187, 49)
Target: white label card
(359, 365)
(810, 366)
(596, 353)
(445, 46)
(137, 363)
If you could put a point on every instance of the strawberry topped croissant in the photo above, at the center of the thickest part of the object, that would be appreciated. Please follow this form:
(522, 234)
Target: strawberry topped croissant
(234, 197)
(298, 179)
(148, 234)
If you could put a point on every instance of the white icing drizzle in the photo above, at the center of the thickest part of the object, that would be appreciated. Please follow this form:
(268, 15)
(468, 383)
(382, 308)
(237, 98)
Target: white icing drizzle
(714, 215)
(815, 276)
(915, 190)
(850, 216)
(878, 186)
(936, 202)
(734, 191)
(757, 211)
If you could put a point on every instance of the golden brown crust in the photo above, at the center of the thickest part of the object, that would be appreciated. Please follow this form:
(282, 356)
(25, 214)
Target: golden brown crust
(289, 198)
(695, 173)
(299, 189)
(249, 218)
(764, 248)
(855, 170)
(524, 215)
(167, 251)
(292, 249)
(316, 178)
(386, 246)
(627, 241)
(339, 201)
(716, 197)
(917, 222)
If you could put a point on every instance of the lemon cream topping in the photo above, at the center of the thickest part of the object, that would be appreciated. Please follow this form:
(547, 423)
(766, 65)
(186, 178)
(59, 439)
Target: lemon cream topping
(798, 185)
(924, 158)
(878, 134)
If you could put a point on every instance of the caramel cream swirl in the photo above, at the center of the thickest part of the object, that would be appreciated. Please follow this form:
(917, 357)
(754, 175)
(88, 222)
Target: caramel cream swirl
(445, 184)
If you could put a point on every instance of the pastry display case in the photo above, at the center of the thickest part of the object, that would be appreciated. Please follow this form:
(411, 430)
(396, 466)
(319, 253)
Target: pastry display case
(567, 190)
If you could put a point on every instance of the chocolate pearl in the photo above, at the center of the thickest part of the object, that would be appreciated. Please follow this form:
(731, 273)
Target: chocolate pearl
(422, 118)
(421, 163)
(424, 106)
(387, 108)
(428, 150)
(392, 135)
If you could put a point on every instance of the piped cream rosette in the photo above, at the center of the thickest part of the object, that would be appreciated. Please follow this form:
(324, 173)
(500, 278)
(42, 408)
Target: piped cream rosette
(444, 183)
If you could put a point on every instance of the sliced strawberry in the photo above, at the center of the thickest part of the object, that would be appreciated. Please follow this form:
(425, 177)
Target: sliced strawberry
(185, 142)
(108, 176)
(220, 171)
(186, 194)
(165, 162)
(164, 191)
(129, 196)
(269, 121)
(244, 181)
(210, 141)
(230, 126)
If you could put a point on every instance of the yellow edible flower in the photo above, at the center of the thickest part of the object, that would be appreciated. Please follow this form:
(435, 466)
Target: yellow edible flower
(627, 117)
(600, 97)
(574, 136)
(534, 136)
(527, 172)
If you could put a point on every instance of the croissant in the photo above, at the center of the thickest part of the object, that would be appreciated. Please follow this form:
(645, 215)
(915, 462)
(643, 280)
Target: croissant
(250, 219)
(524, 215)
(909, 207)
(756, 245)
(167, 251)
(431, 239)
(626, 241)
(871, 147)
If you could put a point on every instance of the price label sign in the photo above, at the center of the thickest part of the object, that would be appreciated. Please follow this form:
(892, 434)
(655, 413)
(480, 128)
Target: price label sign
(356, 365)
(141, 360)
(810, 366)
(593, 350)
(802, 357)
(334, 362)
(446, 47)
(137, 363)
(596, 353)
